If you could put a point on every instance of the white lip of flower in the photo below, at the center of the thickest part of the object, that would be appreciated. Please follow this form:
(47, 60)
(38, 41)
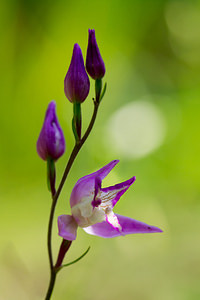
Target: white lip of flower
(86, 214)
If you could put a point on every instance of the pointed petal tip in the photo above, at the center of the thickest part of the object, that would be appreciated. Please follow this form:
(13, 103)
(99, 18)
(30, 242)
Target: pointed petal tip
(53, 102)
(76, 45)
(132, 179)
(51, 106)
(154, 229)
(103, 172)
(114, 162)
(91, 30)
(77, 52)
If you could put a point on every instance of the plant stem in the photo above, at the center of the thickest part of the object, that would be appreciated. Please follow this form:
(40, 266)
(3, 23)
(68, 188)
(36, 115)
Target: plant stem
(55, 195)
(76, 150)
(50, 233)
(51, 285)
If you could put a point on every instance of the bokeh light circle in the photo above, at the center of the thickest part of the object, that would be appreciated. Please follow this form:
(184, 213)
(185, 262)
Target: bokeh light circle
(136, 129)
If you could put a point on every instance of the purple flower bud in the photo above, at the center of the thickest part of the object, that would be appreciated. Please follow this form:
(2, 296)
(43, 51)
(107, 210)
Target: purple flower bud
(76, 83)
(51, 141)
(94, 62)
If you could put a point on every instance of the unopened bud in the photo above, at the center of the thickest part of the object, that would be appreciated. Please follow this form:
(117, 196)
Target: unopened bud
(51, 141)
(94, 63)
(76, 83)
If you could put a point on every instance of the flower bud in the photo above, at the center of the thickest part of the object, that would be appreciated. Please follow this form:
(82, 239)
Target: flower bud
(51, 141)
(76, 83)
(94, 62)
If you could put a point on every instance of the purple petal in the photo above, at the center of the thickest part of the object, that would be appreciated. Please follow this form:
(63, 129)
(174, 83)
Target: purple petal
(113, 193)
(103, 172)
(85, 186)
(129, 226)
(67, 227)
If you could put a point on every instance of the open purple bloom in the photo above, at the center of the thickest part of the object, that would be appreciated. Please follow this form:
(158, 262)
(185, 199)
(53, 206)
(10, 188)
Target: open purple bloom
(76, 83)
(94, 62)
(51, 141)
(92, 209)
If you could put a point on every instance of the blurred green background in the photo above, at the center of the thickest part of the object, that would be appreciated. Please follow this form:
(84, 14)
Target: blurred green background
(149, 119)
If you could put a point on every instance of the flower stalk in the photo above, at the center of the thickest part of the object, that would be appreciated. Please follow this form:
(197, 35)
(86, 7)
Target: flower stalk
(51, 176)
(98, 88)
(77, 121)
(55, 197)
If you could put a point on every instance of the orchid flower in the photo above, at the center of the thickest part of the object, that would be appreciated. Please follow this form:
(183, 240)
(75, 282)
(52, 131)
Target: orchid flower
(92, 209)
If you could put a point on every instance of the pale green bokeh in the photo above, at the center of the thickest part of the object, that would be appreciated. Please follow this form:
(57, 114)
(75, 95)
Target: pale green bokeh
(151, 51)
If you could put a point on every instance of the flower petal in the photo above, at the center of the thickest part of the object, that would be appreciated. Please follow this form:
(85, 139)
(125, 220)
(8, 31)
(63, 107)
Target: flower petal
(103, 172)
(67, 227)
(128, 225)
(112, 194)
(85, 186)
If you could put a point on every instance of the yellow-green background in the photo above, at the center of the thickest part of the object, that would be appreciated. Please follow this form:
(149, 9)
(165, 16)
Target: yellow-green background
(151, 49)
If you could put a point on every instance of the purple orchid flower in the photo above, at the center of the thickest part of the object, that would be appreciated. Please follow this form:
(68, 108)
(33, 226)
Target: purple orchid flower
(92, 209)
(51, 141)
(76, 83)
